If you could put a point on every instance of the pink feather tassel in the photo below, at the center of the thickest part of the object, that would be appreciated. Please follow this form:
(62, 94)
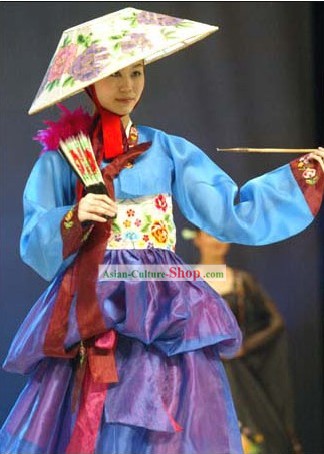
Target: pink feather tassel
(70, 124)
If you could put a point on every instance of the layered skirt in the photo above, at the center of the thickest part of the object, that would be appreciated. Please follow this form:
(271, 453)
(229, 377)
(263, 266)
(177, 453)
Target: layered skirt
(172, 394)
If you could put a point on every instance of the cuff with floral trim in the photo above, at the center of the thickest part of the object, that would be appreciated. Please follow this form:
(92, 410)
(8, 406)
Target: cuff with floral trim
(74, 233)
(310, 178)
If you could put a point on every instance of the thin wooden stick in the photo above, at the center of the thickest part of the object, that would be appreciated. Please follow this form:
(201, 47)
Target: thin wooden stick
(268, 150)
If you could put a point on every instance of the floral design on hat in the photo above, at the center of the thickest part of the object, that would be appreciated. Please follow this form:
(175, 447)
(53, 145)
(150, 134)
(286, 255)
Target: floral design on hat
(146, 17)
(98, 48)
(90, 63)
(70, 65)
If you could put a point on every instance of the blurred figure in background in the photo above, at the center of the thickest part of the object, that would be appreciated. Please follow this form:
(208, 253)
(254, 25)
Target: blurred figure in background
(259, 375)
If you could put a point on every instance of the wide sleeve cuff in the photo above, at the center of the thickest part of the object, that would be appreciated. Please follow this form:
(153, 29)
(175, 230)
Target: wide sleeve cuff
(74, 233)
(310, 178)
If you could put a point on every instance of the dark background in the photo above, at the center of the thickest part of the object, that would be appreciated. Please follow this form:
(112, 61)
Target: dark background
(258, 82)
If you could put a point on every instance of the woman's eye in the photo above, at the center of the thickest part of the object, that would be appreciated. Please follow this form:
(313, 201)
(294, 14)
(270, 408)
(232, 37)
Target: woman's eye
(136, 73)
(117, 74)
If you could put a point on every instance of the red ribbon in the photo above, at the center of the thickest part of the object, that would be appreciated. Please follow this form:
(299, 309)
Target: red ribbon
(98, 371)
(111, 127)
(89, 417)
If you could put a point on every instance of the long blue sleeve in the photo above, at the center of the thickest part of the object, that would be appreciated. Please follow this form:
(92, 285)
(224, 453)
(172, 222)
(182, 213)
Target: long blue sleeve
(48, 196)
(265, 210)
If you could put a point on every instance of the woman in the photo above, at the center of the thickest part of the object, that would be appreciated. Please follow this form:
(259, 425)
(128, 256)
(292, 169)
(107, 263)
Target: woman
(133, 367)
(259, 374)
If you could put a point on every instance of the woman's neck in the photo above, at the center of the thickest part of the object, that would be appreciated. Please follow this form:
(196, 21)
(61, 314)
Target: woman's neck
(213, 260)
(125, 120)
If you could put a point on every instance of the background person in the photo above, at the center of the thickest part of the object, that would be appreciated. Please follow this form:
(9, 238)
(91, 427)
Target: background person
(259, 374)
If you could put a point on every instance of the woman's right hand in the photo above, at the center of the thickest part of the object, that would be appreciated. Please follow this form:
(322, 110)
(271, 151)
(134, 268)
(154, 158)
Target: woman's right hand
(93, 207)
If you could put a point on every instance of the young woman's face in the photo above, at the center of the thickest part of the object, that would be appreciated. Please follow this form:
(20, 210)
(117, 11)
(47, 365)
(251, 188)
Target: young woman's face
(120, 92)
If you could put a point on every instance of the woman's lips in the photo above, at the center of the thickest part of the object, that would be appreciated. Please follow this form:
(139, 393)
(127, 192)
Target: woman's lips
(125, 100)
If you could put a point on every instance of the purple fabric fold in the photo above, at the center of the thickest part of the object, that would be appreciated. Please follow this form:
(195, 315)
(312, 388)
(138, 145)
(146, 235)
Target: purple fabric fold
(174, 316)
(153, 393)
(165, 402)
(39, 422)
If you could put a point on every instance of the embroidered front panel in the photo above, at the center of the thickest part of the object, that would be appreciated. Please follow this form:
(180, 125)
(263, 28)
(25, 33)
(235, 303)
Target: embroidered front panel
(145, 222)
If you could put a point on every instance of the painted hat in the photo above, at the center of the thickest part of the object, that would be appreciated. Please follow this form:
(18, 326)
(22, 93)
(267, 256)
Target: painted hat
(98, 48)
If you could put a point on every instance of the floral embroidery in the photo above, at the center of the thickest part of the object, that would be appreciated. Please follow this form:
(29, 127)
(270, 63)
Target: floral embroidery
(68, 220)
(161, 203)
(145, 222)
(159, 231)
(308, 170)
(73, 232)
(132, 236)
(133, 136)
(309, 174)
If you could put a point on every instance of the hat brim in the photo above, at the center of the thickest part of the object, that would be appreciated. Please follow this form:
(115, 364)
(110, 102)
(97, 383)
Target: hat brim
(87, 54)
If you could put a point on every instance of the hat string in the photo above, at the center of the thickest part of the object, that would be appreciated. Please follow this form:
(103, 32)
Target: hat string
(111, 127)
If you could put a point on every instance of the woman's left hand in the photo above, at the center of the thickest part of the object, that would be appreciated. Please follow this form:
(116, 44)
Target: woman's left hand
(318, 155)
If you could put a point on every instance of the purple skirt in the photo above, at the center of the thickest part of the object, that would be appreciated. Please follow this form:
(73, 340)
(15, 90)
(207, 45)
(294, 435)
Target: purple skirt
(170, 336)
